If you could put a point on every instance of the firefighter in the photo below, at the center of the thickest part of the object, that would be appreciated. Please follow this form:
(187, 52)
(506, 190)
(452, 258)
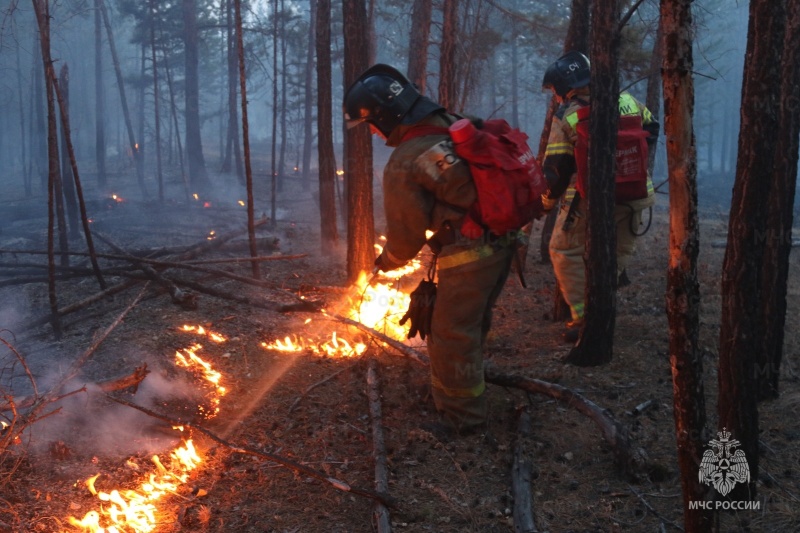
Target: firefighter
(568, 79)
(426, 186)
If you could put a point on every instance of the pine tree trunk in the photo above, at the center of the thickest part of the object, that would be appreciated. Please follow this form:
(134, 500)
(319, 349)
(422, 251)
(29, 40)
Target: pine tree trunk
(308, 99)
(740, 328)
(448, 96)
(251, 228)
(683, 292)
(198, 176)
(358, 150)
(596, 342)
(99, 99)
(156, 102)
(418, 42)
(329, 234)
(134, 147)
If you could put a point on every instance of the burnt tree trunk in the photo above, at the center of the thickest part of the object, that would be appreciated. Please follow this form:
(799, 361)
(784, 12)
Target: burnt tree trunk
(156, 103)
(42, 11)
(596, 342)
(133, 145)
(308, 98)
(198, 176)
(329, 234)
(418, 41)
(358, 150)
(232, 149)
(275, 184)
(99, 100)
(683, 291)
(653, 97)
(251, 228)
(740, 327)
(447, 55)
(778, 236)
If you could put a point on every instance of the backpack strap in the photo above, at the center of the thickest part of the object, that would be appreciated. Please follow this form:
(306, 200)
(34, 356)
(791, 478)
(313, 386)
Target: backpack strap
(422, 130)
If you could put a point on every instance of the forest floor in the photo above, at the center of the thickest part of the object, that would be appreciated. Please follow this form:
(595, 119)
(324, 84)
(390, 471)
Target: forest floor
(314, 410)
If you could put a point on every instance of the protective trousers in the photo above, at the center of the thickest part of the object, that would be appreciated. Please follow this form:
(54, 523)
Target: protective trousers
(567, 247)
(470, 281)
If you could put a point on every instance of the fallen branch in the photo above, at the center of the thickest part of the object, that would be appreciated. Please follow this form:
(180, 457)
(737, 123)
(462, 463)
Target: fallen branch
(79, 362)
(298, 468)
(380, 513)
(652, 510)
(187, 300)
(613, 432)
(127, 381)
(521, 476)
(408, 351)
(314, 386)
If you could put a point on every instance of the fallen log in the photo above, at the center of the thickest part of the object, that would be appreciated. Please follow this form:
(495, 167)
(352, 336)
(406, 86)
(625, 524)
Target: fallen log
(298, 468)
(521, 477)
(380, 513)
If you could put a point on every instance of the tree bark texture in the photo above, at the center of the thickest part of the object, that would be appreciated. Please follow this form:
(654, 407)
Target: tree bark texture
(683, 293)
(358, 150)
(198, 176)
(132, 144)
(329, 234)
(447, 55)
(740, 328)
(780, 212)
(99, 99)
(251, 228)
(596, 342)
(418, 41)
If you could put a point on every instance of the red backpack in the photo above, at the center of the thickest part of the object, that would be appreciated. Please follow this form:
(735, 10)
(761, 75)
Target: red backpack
(631, 157)
(507, 177)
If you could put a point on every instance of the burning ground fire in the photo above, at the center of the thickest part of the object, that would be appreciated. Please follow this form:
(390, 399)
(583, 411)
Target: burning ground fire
(134, 510)
(378, 305)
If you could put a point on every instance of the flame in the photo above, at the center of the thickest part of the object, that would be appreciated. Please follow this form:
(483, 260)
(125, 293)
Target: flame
(241, 203)
(135, 510)
(212, 235)
(117, 198)
(378, 305)
(195, 196)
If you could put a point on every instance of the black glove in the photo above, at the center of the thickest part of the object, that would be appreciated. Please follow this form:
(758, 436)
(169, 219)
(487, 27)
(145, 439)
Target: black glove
(420, 309)
(385, 264)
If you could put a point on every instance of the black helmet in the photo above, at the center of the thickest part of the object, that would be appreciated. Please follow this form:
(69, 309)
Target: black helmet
(570, 71)
(384, 97)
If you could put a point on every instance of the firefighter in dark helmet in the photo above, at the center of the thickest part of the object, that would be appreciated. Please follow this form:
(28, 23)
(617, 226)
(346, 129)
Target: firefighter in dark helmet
(568, 79)
(427, 186)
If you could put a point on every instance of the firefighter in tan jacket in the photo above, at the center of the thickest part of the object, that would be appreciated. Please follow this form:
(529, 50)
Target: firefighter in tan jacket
(428, 187)
(568, 79)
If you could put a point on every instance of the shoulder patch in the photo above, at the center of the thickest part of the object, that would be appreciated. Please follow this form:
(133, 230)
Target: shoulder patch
(437, 159)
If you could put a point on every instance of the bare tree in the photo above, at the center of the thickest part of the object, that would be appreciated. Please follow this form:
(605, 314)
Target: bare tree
(251, 228)
(308, 99)
(358, 149)
(133, 145)
(742, 297)
(683, 291)
(194, 143)
(232, 150)
(99, 99)
(156, 102)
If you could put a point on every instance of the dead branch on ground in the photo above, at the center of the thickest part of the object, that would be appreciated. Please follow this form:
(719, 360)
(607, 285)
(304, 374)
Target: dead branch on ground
(380, 512)
(314, 386)
(521, 477)
(298, 468)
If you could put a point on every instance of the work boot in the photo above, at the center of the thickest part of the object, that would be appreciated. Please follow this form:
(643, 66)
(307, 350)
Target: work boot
(572, 331)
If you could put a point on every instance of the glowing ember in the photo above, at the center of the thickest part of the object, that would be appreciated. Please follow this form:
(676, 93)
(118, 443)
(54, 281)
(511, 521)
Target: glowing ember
(241, 202)
(117, 198)
(200, 330)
